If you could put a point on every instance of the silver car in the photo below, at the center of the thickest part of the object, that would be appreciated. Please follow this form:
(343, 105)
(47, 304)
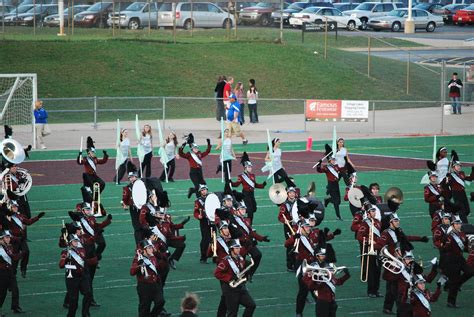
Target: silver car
(204, 15)
(395, 20)
(135, 16)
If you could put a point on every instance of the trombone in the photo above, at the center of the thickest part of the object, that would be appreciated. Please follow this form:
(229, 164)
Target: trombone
(297, 241)
(96, 198)
(367, 251)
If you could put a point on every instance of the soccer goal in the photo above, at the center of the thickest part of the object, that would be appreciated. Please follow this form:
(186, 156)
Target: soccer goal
(18, 93)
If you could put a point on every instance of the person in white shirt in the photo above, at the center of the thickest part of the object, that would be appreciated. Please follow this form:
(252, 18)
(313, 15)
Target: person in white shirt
(279, 173)
(227, 154)
(171, 151)
(252, 97)
(124, 147)
(146, 141)
(342, 159)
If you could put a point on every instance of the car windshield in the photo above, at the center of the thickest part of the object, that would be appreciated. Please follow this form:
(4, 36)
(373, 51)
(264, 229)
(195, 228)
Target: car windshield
(264, 5)
(137, 6)
(37, 10)
(97, 7)
(365, 6)
(165, 7)
(22, 9)
(295, 6)
(397, 13)
(424, 6)
(310, 10)
(471, 7)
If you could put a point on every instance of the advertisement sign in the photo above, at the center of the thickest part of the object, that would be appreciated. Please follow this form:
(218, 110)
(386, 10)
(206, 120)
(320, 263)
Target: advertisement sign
(337, 110)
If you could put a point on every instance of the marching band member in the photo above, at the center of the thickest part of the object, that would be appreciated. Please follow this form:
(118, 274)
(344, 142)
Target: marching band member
(279, 172)
(303, 245)
(8, 260)
(421, 297)
(455, 263)
(284, 216)
(368, 233)
(248, 181)
(227, 155)
(74, 260)
(229, 272)
(194, 158)
(352, 180)
(126, 151)
(171, 151)
(326, 305)
(127, 202)
(374, 189)
(456, 180)
(332, 173)
(149, 286)
(90, 163)
(433, 194)
(16, 223)
(247, 237)
(204, 224)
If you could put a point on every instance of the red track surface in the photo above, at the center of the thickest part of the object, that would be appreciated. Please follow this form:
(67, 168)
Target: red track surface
(68, 172)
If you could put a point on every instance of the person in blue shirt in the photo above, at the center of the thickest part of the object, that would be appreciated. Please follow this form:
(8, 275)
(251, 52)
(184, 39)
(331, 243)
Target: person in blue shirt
(233, 120)
(41, 123)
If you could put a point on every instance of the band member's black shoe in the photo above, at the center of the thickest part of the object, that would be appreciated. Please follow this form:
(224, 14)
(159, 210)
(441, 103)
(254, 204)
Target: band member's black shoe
(66, 306)
(378, 294)
(451, 305)
(326, 201)
(372, 295)
(23, 273)
(172, 264)
(388, 312)
(203, 261)
(190, 192)
(18, 310)
(245, 142)
(219, 169)
(94, 304)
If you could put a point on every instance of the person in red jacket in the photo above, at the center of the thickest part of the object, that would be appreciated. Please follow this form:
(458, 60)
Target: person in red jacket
(433, 194)
(248, 181)
(8, 258)
(421, 297)
(194, 158)
(16, 223)
(90, 163)
(204, 224)
(289, 225)
(229, 273)
(149, 286)
(326, 305)
(74, 261)
(456, 181)
(127, 202)
(332, 174)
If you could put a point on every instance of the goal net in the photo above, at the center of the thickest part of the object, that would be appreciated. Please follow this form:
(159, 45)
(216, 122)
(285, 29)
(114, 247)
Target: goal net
(17, 97)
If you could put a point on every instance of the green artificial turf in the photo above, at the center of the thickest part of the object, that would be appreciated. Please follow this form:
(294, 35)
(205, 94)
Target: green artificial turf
(273, 289)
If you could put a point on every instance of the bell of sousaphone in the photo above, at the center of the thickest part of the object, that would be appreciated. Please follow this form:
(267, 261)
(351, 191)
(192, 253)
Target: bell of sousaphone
(355, 196)
(12, 151)
(395, 194)
(277, 193)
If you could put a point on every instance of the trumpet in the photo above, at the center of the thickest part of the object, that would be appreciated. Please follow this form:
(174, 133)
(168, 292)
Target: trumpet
(390, 262)
(65, 233)
(69, 275)
(241, 276)
(214, 243)
(367, 251)
(143, 268)
(96, 198)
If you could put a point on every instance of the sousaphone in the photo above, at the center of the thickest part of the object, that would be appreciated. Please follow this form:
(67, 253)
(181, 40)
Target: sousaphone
(277, 193)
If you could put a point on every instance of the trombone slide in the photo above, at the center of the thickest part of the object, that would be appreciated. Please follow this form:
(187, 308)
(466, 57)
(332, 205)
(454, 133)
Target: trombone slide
(289, 225)
(214, 244)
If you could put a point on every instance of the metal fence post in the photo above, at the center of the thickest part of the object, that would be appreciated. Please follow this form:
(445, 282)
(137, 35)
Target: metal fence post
(408, 74)
(164, 113)
(373, 116)
(304, 113)
(464, 75)
(95, 112)
(443, 94)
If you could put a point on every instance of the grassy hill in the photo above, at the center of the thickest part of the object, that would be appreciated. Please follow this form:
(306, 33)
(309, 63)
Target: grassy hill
(92, 63)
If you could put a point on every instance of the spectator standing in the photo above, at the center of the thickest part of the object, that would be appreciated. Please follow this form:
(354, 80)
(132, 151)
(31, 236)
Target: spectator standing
(146, 142)
(41, 123)
(455, 85)
(189, 305)
(252, 97)
(233, 123)
(227, 92)
(219, 90)
(239, 93)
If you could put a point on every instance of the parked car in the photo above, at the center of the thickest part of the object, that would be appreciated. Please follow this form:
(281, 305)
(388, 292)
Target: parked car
(135, 16)
(449, 11)
(95, 16)
(464, 16)
(35, 15)
(260, 13)
(368, 10)
(318, 15)
(345, 6)
(395, 20)
(430, 7)
(205, 15)
(53, 20)
(287, 13)
(5, 9)
(224, 5)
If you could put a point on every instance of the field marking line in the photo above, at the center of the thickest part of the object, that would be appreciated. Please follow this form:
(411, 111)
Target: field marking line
(363, 312)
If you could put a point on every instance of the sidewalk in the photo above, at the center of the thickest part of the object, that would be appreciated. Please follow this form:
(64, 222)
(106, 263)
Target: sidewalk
(388, 123)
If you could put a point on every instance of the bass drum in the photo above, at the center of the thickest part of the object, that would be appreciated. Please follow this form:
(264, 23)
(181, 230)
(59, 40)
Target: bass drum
(210, 205)
(139, 193)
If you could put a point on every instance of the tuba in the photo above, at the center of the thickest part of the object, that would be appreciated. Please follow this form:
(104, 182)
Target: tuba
(390, 262)
(13, 152)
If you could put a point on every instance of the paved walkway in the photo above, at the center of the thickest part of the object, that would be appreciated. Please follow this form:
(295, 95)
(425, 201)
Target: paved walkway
(388, 123)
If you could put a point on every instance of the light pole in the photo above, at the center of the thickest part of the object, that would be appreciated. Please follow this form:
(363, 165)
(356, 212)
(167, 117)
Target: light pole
(409, 23)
